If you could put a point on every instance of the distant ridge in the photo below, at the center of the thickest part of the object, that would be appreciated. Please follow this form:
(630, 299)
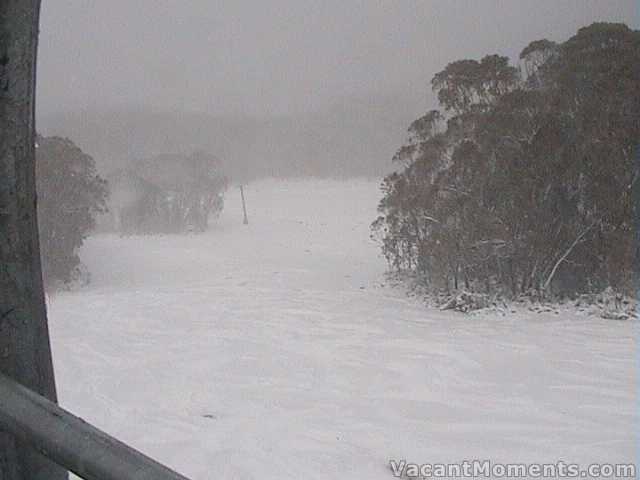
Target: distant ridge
(356, 137)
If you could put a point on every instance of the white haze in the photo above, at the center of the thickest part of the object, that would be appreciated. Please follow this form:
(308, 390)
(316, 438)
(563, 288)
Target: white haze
(282, 88)
(266, 58)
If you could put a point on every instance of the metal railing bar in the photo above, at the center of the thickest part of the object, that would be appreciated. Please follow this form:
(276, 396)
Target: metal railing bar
(71, 442)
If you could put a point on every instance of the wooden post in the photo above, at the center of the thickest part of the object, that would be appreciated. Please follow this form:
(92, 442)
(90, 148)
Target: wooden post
(244, 207)
(71, 442)
(25, 354)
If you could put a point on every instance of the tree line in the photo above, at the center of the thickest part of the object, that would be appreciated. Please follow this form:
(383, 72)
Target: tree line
(163, 194)
(523, 180)
(169, 193)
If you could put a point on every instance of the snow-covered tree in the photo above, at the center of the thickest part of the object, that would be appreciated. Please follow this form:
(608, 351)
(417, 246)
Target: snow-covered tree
(70, 194)
(528, 185)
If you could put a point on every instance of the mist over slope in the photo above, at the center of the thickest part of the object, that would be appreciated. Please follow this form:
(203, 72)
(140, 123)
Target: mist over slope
(356, 137)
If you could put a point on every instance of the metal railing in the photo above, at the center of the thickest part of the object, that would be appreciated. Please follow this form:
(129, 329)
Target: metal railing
(71, 442)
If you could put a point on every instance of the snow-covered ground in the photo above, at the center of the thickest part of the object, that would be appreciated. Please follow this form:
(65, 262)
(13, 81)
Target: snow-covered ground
(275, 350)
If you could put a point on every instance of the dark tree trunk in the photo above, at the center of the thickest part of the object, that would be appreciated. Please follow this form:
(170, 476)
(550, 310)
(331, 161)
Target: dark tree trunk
(25, 352)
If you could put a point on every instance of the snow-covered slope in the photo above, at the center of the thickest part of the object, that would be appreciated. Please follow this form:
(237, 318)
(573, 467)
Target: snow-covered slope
(275, 350)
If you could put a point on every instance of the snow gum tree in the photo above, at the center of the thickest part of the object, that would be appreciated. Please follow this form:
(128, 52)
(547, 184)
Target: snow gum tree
(168, 193)
(70, 195)
(524, 180)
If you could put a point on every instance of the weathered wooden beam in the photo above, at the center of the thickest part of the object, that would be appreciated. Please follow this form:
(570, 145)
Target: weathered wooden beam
(71, 442)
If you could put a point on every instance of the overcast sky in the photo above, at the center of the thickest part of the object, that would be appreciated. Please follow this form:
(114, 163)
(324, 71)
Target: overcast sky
(268, 57)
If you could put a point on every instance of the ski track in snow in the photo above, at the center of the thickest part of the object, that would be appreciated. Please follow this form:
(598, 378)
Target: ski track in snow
(275, 350)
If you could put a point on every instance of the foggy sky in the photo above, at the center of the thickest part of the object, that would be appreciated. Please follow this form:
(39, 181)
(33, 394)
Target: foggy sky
(270, 57)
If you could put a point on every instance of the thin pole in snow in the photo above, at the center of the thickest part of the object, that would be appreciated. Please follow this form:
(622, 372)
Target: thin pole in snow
(244, 207)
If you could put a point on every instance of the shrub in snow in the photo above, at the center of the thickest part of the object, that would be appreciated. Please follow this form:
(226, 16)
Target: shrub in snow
(608, 304)
(467, 302)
